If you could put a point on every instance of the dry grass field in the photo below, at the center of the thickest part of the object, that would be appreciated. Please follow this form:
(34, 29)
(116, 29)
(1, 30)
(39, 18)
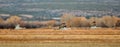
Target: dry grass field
(101, 37)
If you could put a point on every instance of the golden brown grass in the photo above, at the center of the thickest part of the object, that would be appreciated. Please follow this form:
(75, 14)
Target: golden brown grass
(74, 31)
(40, 34)
(101, 37)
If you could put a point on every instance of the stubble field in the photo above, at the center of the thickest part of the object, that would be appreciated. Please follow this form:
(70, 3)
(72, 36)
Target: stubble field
(103, 37)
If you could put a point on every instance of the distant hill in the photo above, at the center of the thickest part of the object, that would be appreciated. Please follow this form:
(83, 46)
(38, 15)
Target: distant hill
(54, 8)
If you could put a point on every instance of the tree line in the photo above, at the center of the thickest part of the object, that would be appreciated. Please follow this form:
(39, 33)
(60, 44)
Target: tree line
(70, 20)
(12, 21)
(107, 21)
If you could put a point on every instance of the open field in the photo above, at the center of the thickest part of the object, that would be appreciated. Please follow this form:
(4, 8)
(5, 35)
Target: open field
(60, 38)
(60, 44)
(101, 31)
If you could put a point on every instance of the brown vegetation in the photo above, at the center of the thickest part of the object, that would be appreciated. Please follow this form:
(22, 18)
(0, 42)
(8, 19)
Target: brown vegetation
(66, 18)
(110, 21)
(1, 20)
(105, 21)
(70, 20)
(14, 20)
(98, 22)
(79, 22)
(50, 34)
(51, 23)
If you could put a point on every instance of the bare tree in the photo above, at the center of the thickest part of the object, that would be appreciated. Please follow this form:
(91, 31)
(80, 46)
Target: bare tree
(66, 18)
(14, 20)
(75, 22)
(94, 21)
(51, 23)
(79, 22)
(115, 20)
(109, 21)
(1, 23)
(1, 20)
